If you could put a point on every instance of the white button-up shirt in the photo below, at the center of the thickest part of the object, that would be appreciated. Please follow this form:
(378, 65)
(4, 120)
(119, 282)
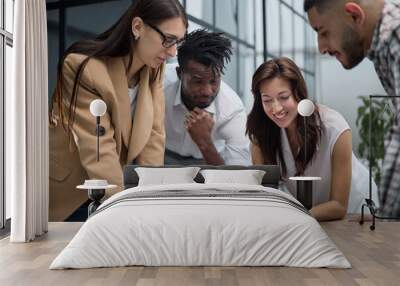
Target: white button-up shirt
(227, 110)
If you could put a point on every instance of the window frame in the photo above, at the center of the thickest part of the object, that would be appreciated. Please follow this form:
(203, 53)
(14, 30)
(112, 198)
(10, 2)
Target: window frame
(6, 39)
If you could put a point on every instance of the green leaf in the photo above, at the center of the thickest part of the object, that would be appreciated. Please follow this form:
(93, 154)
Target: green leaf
(381, 122)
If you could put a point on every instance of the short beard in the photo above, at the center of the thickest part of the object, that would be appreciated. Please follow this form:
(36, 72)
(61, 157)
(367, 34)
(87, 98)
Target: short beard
(352, 47)
(187, 101)
(190, 104)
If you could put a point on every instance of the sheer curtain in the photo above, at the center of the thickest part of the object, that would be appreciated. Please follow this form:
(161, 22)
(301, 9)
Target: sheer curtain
(26, 124)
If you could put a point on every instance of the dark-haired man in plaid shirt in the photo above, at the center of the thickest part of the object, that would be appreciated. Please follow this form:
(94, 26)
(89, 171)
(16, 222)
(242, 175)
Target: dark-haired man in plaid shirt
(351, 30)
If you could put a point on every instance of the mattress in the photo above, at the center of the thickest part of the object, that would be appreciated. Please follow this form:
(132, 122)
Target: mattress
(201, 225)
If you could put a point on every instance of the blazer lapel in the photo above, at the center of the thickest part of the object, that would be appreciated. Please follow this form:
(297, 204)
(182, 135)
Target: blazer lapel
(122, 109)
(143, 118)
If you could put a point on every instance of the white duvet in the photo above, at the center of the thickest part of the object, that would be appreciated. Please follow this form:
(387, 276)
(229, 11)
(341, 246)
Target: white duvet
(185, 230)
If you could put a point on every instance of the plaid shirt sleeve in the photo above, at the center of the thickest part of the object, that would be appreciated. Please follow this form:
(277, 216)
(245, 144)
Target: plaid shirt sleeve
(390, 181)
(394, 65)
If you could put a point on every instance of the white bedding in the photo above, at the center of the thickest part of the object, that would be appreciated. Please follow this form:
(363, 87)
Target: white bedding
(187, 230)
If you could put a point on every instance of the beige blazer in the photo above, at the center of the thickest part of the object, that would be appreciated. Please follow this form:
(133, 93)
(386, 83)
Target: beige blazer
(143, 139)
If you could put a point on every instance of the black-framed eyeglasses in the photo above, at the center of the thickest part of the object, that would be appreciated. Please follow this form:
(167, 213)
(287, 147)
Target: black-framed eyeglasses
(167, 41)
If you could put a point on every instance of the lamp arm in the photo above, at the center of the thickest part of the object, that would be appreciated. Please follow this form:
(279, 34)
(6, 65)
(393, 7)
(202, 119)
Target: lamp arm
(305, 139)
(100, 131)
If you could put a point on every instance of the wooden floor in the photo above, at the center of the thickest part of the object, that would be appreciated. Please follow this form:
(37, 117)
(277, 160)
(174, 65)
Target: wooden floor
(374, 255)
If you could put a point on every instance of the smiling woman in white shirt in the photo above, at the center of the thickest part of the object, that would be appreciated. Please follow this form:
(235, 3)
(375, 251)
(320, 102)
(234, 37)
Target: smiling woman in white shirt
(205, 119)
(277, 131)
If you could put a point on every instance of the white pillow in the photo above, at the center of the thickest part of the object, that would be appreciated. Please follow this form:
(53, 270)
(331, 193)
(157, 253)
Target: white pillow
(248, 177)
(165, 176)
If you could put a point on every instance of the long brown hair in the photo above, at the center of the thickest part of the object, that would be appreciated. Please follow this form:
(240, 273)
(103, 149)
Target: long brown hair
(117, 41)
(265, 133)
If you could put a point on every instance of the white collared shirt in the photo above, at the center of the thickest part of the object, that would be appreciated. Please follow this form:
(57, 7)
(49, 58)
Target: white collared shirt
(229, 129)
(132, 93)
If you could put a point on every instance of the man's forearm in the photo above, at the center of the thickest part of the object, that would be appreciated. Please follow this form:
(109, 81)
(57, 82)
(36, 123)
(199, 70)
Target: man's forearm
(210, 153)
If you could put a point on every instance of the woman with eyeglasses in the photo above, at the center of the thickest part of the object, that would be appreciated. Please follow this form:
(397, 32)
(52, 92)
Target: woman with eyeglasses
(124, 67)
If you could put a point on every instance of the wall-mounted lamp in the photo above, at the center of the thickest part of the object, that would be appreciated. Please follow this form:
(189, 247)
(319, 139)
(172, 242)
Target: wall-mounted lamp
(96, 187)
(304, 185)
(98, 108)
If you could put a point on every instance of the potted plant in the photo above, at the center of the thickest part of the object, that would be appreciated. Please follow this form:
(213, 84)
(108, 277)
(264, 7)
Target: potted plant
(382, 118)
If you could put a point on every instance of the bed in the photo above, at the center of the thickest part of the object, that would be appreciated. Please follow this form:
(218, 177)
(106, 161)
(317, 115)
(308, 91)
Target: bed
(201, 223)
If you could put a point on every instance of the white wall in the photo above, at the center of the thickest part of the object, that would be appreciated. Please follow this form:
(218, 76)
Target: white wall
(339, 88)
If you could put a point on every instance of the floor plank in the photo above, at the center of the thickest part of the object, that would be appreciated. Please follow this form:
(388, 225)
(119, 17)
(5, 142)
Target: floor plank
(374, 255)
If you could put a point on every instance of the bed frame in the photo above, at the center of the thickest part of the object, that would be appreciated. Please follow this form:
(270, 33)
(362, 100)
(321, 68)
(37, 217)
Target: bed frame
(270, 179)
